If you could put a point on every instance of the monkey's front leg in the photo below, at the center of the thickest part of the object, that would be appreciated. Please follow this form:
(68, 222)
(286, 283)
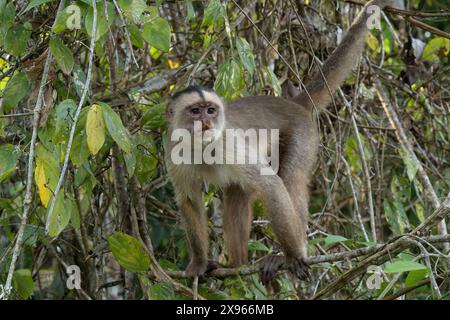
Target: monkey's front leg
(196, 226)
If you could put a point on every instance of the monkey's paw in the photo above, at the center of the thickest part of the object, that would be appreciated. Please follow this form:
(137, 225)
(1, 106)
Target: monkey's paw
(269, 267)
(299, 268)
(196, 268)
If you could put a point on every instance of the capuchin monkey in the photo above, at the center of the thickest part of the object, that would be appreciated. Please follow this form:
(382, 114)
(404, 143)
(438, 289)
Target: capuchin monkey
(201, 114)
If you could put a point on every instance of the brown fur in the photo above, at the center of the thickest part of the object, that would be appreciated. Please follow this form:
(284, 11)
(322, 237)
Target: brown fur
(286, 194)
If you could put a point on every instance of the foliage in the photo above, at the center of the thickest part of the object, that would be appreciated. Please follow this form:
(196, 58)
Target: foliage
(116, 205)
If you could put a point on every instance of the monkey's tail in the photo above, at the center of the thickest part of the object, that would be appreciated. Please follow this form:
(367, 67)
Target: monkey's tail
(318, 92)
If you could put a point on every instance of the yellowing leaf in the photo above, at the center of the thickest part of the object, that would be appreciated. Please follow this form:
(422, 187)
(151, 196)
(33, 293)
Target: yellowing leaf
(95, 129)
(173, 64)
(41, 180)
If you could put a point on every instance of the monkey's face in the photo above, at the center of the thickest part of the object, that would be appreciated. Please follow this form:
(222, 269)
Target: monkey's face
(201, 112)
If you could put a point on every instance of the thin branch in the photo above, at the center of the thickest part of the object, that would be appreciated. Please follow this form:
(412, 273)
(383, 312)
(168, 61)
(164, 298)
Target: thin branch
(75, 119)
(333, 257)
(30, 166)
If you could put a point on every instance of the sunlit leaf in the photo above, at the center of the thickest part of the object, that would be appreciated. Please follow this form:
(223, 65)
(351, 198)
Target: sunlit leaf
(435, 49)
(63, 55)
(95, 129)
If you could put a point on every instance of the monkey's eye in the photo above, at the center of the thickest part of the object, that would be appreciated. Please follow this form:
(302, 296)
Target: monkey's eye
(195, 110)
(211, 110)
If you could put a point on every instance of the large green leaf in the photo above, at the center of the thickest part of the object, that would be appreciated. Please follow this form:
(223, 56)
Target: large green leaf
(61, 215)
(214, 14)
(403, 266)
(116, 128)
(103, 24)
(229, 81)
(161, 291)
(8, 160)
(16, 39)
(7, 13)
(246, 54)
(129, 252)
(157, 34)
(23, 283)
(63, 55)
(15, 90)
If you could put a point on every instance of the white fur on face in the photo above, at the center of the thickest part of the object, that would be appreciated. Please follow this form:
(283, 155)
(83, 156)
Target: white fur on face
(191, 98)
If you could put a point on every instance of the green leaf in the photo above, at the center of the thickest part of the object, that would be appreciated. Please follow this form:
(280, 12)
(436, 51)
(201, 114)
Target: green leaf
(332, 239)
(79, 79)
(95, 129)
(257, 246)
(415, 276)
(161, 291)
(411, 164)
(436, 48)
(403, 266)
(214, 14)
(80, 151)
(229, 81)
(129, 252)
(63, 55)
(16, 39)
(16, 89)
(272, 80)
(7, 14)
(61, 215)
(65, 112)
(68, 18)
(102, 24)
(23, 283)
(35, 3)
(8, 160)
(157, 34)
(116, 128)
(246, 54)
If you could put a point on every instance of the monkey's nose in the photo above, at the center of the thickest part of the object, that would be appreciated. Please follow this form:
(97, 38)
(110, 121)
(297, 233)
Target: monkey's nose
(206, 125)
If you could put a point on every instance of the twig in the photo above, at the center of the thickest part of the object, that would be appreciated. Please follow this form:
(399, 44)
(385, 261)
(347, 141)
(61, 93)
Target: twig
(75, 119)
(30, 166)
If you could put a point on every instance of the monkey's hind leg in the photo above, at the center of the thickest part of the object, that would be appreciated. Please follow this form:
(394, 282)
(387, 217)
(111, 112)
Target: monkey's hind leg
(237, 219)
(288, 228)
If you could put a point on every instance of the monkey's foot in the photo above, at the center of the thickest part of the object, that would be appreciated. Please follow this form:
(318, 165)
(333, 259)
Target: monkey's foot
(269, 267)
(299, 268)
(196, 268)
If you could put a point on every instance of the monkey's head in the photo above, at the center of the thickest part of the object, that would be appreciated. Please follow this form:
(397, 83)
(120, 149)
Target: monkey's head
(197, 109)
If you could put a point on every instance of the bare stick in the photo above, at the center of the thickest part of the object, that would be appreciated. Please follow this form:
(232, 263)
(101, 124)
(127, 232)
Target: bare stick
(77, 114)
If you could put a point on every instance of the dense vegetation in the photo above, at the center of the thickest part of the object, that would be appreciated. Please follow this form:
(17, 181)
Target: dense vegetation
(82, 179)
